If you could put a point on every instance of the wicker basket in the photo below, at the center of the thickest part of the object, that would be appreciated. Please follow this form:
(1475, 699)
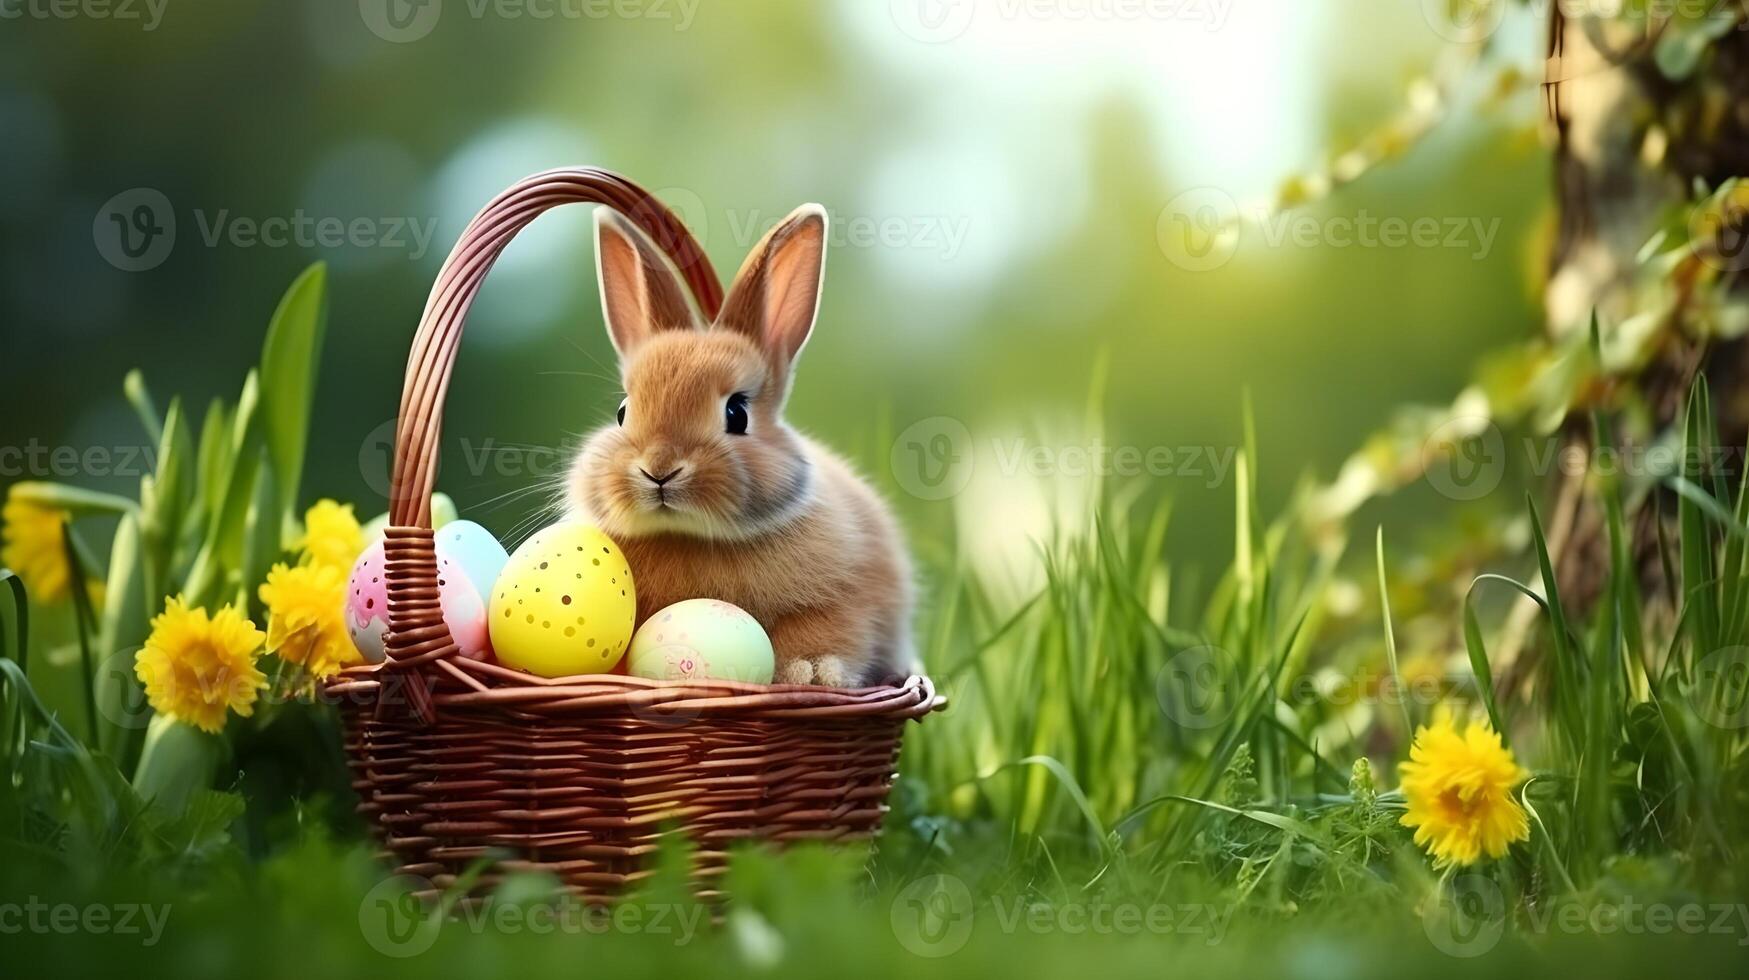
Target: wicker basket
(458, 761)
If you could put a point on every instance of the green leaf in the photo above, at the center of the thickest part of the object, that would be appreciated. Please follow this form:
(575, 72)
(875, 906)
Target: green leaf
(125, 622)
(84, 621)
(164, 499)
(261, 542)
(133, 387)
(20, 617)
(289, 360)
(204, 826)
(1479, 662)
(223, 546)
(76, 500)
(177, 764)
(214, 453)
(1265, 817)
(1067, 780)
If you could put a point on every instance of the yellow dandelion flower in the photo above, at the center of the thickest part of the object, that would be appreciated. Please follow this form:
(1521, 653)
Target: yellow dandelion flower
(1459, 789)
(34, 547)
(305, 617)
(195, 667)
(332, 535)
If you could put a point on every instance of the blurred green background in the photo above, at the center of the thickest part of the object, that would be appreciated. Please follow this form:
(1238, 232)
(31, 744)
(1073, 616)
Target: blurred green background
(1001, 187)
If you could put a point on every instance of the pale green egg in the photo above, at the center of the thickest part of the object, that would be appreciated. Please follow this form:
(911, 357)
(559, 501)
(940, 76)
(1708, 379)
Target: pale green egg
(701, 638)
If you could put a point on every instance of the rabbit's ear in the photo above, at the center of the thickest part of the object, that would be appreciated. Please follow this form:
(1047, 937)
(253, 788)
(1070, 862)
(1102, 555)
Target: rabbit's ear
(640, 293)
(776, 294)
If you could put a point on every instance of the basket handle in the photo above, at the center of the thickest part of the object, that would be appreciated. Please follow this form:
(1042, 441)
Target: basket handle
(417, 634)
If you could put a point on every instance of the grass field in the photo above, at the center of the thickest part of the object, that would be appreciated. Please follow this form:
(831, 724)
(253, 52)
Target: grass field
(1135, 776)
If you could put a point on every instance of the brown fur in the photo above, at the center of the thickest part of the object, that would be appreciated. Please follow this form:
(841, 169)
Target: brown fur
(766, 520)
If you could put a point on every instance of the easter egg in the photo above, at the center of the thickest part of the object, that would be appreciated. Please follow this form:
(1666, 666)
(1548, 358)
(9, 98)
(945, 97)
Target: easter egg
(367, 604)
(467, 549)
(367, 609)
(700, 638)
(564, 603)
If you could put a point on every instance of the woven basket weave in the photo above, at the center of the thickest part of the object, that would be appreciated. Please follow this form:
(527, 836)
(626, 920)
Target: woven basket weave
(458, 761)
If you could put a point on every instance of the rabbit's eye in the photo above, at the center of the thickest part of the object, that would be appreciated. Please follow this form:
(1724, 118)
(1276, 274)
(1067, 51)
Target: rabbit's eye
(622, 410)
(735, 415)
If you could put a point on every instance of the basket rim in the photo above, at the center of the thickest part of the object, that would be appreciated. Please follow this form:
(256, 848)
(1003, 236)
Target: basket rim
(479, 686)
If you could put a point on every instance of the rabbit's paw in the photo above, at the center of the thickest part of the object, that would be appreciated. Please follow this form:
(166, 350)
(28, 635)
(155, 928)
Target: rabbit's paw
(795, 672)
(834, 672)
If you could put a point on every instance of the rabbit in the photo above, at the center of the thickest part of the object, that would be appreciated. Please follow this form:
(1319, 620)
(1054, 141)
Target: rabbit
(706, 489)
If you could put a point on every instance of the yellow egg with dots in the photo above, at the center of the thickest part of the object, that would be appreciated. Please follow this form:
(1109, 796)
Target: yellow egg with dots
(564, 603)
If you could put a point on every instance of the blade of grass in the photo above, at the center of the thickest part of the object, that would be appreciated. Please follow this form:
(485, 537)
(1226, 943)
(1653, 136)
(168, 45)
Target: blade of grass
(1568, 705)
(133, 387)
(84, 621)
(1478, 652)
(20, 650)
(289, 361)
(1390, 636)
(222, 546)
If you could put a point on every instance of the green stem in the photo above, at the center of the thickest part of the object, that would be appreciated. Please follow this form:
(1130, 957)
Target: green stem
(83, 621)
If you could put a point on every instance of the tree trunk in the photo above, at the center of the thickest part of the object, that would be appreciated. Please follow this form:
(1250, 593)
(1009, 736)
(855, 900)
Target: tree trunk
(1631, 142)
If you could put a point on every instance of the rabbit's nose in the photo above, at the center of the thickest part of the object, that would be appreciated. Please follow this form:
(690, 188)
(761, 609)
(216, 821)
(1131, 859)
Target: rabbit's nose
(661, 480)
